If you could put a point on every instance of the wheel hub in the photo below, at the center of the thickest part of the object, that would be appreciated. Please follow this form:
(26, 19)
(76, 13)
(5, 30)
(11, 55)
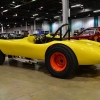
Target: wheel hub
(58, 61)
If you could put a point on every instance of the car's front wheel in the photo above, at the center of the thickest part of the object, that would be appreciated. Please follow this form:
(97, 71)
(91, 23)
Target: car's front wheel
(61, 61)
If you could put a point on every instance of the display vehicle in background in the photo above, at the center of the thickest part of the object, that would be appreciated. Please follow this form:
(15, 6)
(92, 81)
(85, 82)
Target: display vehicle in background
(61, 56)
(12, 36)
(92, 33)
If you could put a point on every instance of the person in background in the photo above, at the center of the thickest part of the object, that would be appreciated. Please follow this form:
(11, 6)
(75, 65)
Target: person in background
(39, 31)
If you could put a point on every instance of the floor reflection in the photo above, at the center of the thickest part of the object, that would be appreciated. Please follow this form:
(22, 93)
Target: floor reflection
(82, 71)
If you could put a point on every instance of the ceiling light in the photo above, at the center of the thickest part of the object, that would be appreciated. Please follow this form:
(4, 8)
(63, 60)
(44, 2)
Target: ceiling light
(31, 17)
(46, 13)
(5, 10)
(56, 17)
(35, 14)
(77, 5)
(33, 0)
(1, 7)
(13, 2)
(6, 18)
(41, 7)
(17, 6)
(95, 11)
(15, 15)
(8, 25)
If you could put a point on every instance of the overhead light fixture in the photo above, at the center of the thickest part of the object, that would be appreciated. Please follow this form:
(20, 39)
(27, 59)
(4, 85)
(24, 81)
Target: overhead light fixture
(5, 10)
(31, 17)
(77, 5)
(33, 0)
(15, 15)
(17, 6)
(41, 6)
(13, 2)
(1, 7)
(95, 11)
(35, 15)
(56, 17)
(8, 25)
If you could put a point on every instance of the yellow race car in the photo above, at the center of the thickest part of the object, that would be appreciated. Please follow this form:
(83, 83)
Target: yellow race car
(61, 56)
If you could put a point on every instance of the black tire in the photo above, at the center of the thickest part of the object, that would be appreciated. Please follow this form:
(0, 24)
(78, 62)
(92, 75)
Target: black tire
(72, 63)
(2, 58)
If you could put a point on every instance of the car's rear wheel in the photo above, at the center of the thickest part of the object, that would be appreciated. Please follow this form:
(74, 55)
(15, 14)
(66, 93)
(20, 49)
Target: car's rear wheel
(61, 61)
(2, 58)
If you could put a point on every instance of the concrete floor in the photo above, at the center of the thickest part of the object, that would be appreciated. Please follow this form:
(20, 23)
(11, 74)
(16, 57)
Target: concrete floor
(33, 82)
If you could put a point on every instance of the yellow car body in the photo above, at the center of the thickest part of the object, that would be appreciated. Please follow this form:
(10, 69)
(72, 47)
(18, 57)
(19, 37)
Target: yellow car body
(86, 51)
(61, 56)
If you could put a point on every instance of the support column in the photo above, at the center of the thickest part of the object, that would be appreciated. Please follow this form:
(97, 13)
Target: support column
(70, 23)
(65, 11)
(95, 21)
(65, 7)
(26, 26)
(34, 26)
(32, 29)
(2, 28)
(50, 27)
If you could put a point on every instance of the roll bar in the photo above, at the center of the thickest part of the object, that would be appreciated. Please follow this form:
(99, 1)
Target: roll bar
(60, 29)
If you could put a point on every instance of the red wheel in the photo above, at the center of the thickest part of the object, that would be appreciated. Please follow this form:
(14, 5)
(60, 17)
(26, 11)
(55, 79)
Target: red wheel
(58, 61)
(61, 61)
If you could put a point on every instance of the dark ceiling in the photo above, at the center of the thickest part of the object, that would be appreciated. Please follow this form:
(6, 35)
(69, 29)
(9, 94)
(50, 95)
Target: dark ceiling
(18, 12)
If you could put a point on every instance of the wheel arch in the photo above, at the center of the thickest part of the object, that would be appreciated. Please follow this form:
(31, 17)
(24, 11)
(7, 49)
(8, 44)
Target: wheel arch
(57, 44)
(2, 52)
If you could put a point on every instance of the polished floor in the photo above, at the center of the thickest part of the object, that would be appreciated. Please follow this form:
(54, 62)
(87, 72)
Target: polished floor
(33, 82)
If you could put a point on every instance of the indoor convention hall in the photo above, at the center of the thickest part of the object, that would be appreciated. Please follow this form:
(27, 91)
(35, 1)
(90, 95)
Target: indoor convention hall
(49, 50)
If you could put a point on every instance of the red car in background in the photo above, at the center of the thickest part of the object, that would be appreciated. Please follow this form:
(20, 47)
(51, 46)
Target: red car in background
(92, 33)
